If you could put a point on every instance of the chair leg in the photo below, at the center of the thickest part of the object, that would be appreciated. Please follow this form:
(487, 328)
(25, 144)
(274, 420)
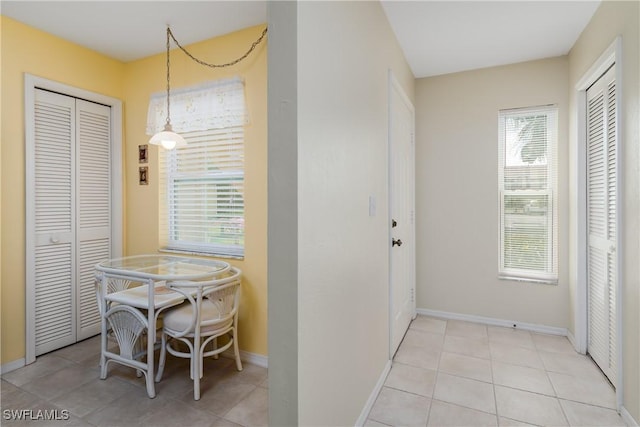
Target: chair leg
(214, 343)
(103, 367)
(236, 351)
(196, 360)
(103, 349)
(196, 388)
(163, 357)
(151, 391)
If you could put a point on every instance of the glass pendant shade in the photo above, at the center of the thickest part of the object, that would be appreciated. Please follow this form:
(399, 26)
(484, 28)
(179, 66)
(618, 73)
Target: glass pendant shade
(168, 139)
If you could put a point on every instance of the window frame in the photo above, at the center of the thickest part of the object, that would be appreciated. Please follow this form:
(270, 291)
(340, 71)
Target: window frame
(548, 274)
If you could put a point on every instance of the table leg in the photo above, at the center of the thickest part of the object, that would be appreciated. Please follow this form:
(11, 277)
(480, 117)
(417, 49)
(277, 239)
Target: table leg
(151, 342)
(103, 328)
(103, 346)
(149, 375)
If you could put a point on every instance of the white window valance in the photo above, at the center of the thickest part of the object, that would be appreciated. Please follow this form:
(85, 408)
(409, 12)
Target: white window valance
(213, 105)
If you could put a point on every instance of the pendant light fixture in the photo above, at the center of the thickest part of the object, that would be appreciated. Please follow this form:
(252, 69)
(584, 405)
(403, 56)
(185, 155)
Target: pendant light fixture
(168, 138)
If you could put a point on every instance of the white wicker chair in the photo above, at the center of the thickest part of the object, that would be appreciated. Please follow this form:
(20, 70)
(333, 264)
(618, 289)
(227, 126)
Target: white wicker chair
(209, 312)
(138, 347)
(113, 285)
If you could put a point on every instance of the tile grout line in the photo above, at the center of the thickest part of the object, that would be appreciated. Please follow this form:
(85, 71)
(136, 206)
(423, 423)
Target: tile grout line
(551, 382)
(435, 383)
(493, 380)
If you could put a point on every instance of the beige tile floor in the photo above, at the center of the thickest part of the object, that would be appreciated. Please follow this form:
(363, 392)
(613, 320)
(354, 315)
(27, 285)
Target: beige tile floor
(454, 373)
(446, 373)
(68, 379)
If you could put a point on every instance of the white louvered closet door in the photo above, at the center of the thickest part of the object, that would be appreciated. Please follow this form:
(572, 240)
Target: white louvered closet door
(93, 208)
(601, 222)
(52, 260)
(70, 226)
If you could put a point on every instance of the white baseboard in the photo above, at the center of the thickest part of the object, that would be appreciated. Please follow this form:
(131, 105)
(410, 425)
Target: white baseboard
(253, 358)
(374, 395)
(627, 418)
(572, 340)
(12, 366)
(245, 356)
(543, 329)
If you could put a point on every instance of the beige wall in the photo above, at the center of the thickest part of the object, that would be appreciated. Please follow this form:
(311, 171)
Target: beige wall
(327, 155)
(457, 193)
(345, 50)
(147, 76)
(27, 50)
(614, 18)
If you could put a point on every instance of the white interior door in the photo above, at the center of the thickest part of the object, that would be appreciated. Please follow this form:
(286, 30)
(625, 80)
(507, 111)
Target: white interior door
(401, 196)
(602, 265)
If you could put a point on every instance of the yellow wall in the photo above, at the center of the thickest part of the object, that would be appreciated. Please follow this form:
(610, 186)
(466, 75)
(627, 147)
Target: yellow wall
(27, 50)
(1, 134)
(147, 76)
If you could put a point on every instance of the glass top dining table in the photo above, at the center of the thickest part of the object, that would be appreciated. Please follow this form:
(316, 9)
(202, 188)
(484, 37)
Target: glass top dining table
(164, 267)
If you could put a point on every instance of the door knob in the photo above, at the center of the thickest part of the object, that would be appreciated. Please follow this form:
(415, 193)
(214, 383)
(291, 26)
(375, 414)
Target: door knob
(395, 242)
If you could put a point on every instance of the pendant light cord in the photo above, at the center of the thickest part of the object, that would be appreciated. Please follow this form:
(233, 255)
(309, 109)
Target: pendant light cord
(201, 62)
(170, 37)
(168, 79)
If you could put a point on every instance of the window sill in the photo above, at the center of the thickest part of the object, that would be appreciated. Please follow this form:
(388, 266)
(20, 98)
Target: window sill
(528, 279)
(207, 254)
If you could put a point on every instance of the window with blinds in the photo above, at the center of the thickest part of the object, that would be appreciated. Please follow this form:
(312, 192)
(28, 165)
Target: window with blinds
(202, 184)
(202, 187)
(527, 186)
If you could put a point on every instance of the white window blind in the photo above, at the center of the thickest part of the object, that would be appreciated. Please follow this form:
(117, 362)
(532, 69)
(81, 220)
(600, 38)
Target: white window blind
(202, 189)
(527, 183)
(202, 184)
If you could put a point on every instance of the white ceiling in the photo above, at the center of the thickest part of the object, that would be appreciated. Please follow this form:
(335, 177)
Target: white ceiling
(437, 37)
(440, 37)
(129, 30)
